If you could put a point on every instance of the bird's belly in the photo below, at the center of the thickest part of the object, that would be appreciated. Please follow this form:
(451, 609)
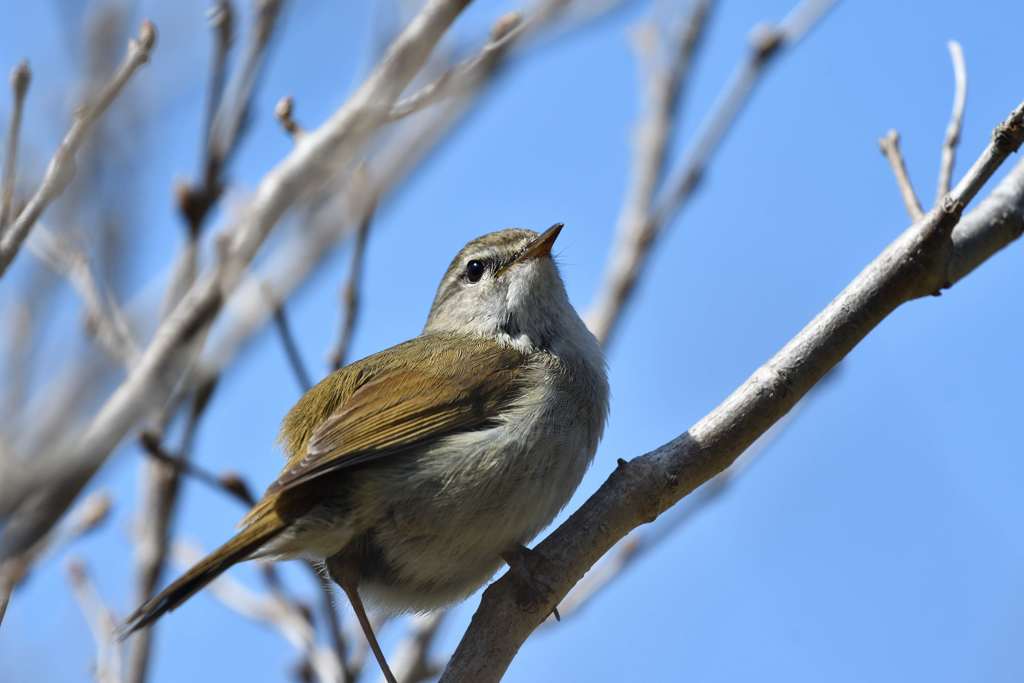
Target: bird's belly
(462, 505)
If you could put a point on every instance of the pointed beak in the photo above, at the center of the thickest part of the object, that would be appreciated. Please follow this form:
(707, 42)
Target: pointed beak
(541, 246)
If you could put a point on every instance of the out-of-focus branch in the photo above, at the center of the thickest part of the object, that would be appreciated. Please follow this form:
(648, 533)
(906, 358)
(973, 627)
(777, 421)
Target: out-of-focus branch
(104, 318)
(283, 112)
(150, 381)
(411, 662)
(285, 617)
(931, 255)
(61, 169)
(21, 76)
(101, 622)
(956, 120)
(86, 517)
(629, 255)
(464, 76)
(665, 65)
(228, 105)
(890, 147)
(350, 293)
(291, 349)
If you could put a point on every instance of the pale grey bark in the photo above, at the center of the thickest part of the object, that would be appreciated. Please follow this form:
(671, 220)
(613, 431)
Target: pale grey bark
(933, 254)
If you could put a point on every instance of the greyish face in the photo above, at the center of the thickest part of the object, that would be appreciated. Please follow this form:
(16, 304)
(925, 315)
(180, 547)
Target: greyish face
(504, 285)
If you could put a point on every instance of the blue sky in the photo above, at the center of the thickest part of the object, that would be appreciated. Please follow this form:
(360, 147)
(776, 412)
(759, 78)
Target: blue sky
(877, 539)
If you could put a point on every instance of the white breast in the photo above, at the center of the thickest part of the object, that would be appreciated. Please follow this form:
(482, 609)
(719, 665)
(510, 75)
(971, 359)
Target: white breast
(473, 496)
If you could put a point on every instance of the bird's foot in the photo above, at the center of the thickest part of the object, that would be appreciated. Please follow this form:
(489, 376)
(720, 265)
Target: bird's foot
(531, 587)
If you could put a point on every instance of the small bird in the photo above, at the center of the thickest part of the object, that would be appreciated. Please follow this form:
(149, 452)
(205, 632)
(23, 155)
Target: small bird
(415, 472)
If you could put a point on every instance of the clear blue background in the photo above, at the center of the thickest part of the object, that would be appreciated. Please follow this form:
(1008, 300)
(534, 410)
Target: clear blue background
(878, 539)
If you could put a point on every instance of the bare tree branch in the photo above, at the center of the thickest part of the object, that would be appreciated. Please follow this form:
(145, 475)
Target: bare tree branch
(932, 254)
(629, 255)
(285, 617)
(337, 141)
(956, 120)
(21, 76)
(92, 512)
(350, 293)
(638, 543)
(465, 76)
(62, 167)
(101, 622)
(104, 318)
(283, 113)
(291, 349)
(228, 104)
(654, 132)
(412, 662)
(890, 147)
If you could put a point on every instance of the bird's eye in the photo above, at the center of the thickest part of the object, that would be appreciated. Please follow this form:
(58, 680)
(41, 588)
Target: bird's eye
(474, 270)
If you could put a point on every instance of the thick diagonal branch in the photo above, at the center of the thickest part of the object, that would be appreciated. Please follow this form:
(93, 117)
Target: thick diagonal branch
(932, 254)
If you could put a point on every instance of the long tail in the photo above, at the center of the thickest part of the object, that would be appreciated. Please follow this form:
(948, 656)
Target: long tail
(238, 549)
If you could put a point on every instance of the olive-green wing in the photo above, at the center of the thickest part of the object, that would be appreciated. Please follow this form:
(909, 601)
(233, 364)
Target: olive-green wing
(404, 398)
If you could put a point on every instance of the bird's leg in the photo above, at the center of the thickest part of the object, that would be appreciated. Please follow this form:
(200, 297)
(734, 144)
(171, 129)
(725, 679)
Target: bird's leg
(532, 588)
(346, 574)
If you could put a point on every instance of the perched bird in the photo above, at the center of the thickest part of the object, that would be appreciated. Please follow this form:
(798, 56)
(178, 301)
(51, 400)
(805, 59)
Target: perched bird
(413, 473)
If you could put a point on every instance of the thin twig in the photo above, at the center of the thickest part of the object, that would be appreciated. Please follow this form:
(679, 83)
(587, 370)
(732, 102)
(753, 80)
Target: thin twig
(104, 318)
(62, 167)
(101, 622)
(283, 112)
(466, 75)
(890, 147)
(956, 120)
(291, 349)
(350, 293)
(21, 76)
(228, 105)
(89, 515)
(284, 616)
(412, 661)
(629, 256)
(222, 21)
(229, 482)
(665, 64)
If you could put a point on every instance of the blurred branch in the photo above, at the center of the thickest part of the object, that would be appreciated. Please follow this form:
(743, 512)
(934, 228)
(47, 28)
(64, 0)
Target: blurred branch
(666, 62)
(411, 662)
(227, 109)
(90, 514)
(101, 622)
(635, 240)
(956, 120)
(157, 371)
(466, 75)
(890, 146)
(283, 113)
(21, 76)
(228, 105)
(291, 349)
(62, 167)
(287, 618)
(932, 254)
(104, 318)
(350, 293)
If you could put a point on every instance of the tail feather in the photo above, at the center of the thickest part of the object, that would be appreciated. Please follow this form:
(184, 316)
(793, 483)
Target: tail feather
(238, 549)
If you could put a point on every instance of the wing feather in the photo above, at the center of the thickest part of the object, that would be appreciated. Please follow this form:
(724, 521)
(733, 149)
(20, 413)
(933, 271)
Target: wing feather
(401, 399)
